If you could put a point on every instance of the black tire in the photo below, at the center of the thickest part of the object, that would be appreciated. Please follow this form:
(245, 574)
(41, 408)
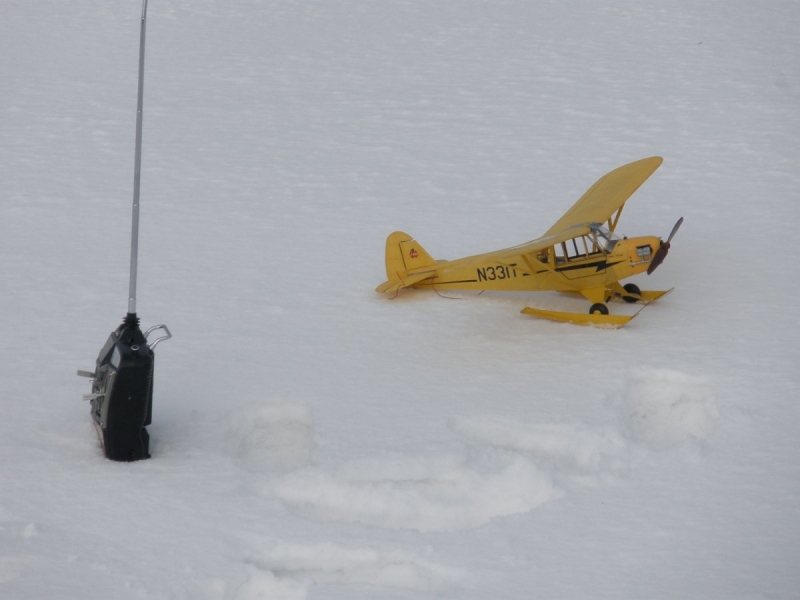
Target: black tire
(631, 288)
(598, 309)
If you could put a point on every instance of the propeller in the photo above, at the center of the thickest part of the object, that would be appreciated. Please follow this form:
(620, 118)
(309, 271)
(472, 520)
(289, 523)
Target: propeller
(663, 249)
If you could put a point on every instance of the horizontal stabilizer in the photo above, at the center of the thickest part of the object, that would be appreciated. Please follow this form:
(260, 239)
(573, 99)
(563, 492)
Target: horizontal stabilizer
(397, 283)
(407, 281)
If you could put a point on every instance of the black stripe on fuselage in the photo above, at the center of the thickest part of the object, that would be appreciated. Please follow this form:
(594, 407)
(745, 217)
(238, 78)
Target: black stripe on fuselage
(449, 282)
(600, 265)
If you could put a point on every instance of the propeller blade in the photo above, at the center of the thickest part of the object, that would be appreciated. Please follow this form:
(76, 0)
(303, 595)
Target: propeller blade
(663, 250)
(675, 230)
(658, 257)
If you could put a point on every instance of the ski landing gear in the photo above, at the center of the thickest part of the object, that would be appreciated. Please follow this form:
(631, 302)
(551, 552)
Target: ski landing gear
(598, 313)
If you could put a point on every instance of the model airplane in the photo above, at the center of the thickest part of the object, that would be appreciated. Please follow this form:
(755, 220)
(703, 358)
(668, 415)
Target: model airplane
(579, 254)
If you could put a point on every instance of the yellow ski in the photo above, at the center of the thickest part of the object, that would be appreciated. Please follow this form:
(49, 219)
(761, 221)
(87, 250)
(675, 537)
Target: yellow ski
(597, 320)
(644, 296)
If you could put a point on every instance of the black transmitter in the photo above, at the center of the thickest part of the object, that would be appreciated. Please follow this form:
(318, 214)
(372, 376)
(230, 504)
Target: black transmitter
(122, 390)
(122, 382)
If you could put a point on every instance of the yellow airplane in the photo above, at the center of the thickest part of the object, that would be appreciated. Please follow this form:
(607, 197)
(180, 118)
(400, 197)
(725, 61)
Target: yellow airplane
(580, 254)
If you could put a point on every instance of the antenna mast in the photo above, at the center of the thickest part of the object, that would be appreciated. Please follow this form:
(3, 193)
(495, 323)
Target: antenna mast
(137, 172)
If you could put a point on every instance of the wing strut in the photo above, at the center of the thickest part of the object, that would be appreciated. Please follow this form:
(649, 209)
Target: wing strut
(614, 219)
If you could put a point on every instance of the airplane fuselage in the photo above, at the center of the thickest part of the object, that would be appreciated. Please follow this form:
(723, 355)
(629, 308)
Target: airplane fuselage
(563, 267)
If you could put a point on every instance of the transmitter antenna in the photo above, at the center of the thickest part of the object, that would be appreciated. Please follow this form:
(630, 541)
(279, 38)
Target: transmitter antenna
(137, 170)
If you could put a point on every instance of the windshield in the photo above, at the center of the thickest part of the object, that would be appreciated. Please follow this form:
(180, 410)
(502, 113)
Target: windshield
(603, 237)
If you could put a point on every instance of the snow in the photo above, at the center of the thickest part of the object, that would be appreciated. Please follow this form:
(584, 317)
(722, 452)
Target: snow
(312, 439)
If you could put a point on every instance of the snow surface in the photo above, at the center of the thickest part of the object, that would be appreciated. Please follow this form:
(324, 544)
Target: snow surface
(314, 440)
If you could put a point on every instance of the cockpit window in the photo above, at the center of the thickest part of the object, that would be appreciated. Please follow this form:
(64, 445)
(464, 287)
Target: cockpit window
(577, 248)
(602, 237)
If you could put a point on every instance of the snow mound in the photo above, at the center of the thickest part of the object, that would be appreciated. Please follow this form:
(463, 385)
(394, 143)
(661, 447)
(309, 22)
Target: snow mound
(572, 446)
(421, 494)
(286, 570)
(13, 531)
(271, 437)
(11, 567)
(666, 407)
(261, 584)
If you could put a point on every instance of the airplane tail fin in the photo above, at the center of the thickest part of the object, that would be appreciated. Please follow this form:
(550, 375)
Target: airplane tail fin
(407, 263)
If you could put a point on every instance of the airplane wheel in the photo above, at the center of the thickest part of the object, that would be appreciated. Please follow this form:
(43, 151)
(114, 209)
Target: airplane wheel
(633, 289)
(598, 309)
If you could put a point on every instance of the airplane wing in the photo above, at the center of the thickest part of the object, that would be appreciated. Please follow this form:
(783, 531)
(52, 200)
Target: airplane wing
(608, 195)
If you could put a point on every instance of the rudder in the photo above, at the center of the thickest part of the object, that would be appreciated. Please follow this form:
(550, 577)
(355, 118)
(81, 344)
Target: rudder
(407, 262)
